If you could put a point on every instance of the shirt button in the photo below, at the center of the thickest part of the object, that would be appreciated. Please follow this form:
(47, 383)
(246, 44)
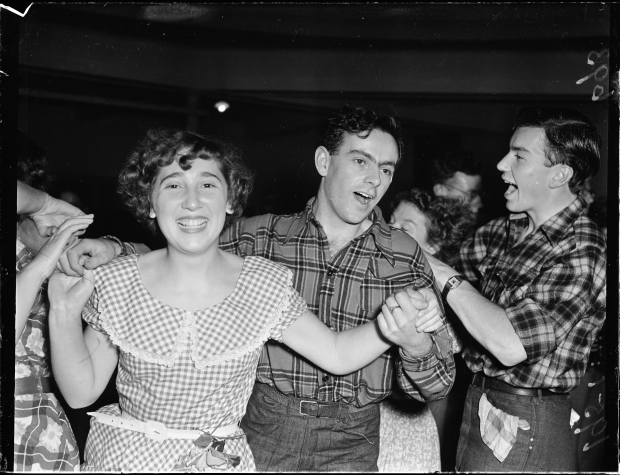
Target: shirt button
(331, 272)
(325, 379)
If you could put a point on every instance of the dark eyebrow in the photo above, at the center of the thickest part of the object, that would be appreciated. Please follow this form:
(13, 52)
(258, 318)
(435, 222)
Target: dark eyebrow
(519, 149)
(170, 175)
(202, 174)
(372, 158)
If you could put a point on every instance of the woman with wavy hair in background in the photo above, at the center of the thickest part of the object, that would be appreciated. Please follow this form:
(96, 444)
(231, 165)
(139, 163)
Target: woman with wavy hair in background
(409, 437)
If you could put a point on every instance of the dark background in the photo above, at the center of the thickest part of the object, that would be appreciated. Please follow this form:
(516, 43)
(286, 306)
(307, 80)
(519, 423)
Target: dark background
(92, 78)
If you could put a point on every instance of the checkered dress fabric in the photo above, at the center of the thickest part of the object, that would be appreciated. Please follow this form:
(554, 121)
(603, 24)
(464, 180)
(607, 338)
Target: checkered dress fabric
(187, 370)
(43, 439)
(552, 286)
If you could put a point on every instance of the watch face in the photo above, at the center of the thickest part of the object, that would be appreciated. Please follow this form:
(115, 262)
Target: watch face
(454, 281)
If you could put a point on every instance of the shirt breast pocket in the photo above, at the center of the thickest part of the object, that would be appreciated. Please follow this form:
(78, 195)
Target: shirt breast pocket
(511, 284)
(381, 280)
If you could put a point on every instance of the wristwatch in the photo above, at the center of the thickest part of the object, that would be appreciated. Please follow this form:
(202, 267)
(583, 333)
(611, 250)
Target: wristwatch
(453, 283)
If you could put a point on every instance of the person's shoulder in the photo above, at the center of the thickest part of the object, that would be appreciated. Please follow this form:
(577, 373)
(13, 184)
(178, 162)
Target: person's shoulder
(268, 268)
(118, 265)
(268, 220)
(586, 233)
(402, 242)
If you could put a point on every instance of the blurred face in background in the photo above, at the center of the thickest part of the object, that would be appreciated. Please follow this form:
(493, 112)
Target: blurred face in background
(408, 218)
(462, 187)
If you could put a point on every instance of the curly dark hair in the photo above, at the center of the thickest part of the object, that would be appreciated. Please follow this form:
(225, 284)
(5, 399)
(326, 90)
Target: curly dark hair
(443, 168)
(160, 148)
(361, 122)
(451, 221)
(571, 140)
(32, 166)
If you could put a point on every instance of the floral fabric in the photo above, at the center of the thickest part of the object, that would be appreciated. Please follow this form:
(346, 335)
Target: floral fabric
(409, 438)
(43, 439)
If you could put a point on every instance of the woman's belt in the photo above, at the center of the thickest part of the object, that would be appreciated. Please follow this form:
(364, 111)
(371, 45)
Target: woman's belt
(33, 385)
(158, 431)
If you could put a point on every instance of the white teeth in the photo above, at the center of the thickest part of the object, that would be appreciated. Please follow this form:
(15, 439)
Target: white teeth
(192, 223)
(364, 195)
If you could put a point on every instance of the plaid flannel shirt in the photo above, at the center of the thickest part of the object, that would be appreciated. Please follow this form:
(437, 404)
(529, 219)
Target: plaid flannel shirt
(344, 292)
(552, 287)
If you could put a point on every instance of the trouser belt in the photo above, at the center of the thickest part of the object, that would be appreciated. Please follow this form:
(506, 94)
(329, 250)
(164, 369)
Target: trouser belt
(485, 382)
(33, 385)
(158, 431)
(309, 407)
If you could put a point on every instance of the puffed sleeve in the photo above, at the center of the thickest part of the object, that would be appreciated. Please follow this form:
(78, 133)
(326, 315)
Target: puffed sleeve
(92, 311)
(291, 307)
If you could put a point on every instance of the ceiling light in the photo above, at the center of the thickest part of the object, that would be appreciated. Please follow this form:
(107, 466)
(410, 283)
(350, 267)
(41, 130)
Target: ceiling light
(222, 106)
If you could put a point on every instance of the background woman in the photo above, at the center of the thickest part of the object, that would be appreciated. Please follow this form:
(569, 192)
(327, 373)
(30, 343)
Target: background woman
(409, 437)
(43, 439)
(186, 324)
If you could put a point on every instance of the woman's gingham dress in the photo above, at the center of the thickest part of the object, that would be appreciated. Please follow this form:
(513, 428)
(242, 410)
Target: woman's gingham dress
(43, 439)
(187, 370)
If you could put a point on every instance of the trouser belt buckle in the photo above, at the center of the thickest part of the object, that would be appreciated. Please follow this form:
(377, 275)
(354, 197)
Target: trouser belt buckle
(301, 410)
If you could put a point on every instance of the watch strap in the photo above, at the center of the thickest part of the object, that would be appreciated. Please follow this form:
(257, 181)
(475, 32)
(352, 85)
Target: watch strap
(452, 283)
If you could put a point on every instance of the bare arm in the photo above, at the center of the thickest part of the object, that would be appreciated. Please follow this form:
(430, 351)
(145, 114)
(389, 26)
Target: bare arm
(83, 361)
(350, 350)
(88, 254)
(48, 213)
(29, 200)
(486, 321)
(30, 279)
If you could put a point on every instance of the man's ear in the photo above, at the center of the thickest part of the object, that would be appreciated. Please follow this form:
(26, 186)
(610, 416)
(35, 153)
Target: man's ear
(561, 177)
(152, 213)
(321, 160)
(439, 189)
(229, 208)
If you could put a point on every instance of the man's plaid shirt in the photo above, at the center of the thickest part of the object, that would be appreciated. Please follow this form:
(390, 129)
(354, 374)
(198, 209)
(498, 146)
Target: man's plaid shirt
(344, 292)
(552, 286)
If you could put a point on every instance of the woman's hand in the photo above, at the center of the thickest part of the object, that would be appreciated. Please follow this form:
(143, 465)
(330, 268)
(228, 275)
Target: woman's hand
(53, 214)
(64, 236)
(398, 321)
(68, 294)
(429, 319)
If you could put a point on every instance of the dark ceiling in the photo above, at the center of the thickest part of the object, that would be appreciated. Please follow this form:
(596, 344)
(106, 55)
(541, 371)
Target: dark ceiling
(345, 25)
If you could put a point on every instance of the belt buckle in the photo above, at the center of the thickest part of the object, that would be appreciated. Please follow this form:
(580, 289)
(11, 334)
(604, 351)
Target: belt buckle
(309, 402)
(155, 430)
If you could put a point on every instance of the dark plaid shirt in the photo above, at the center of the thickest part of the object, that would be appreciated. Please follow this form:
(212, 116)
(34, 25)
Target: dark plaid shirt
(344, 292)
(552, 286)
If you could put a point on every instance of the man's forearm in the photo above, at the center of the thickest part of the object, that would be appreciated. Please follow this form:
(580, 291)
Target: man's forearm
(29, 200)
(488, 323)
(426, 379)
(422, 348)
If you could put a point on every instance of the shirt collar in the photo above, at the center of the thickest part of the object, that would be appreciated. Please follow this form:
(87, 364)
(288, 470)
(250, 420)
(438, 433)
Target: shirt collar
(379, 229)
(555, 227)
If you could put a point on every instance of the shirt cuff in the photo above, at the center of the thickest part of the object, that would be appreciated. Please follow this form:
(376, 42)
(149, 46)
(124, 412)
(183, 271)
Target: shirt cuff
(417, 363)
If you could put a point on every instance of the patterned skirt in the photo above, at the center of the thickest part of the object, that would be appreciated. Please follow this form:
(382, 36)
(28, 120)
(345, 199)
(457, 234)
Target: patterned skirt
(110, 448)
(43, 439)
(409, 439)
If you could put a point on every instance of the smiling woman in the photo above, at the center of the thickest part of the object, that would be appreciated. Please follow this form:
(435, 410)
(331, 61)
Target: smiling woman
(162, 148)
